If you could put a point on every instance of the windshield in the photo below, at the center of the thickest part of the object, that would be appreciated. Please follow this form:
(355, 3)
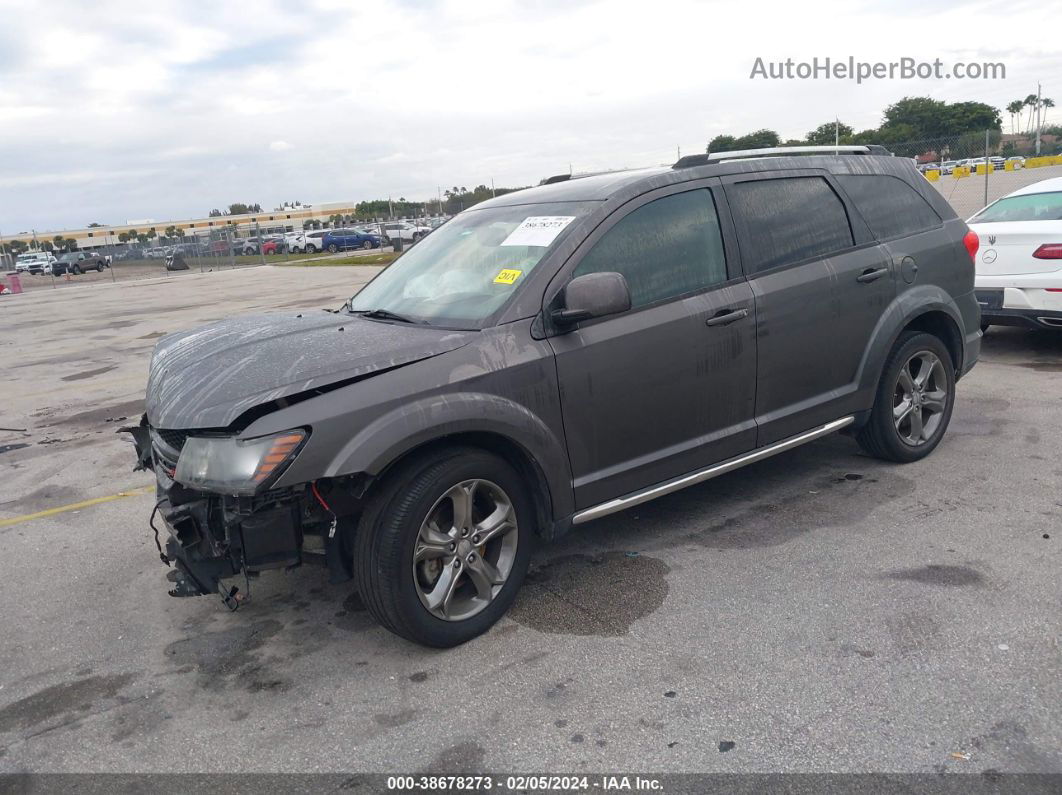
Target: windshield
(464, 271)
(1027, 207)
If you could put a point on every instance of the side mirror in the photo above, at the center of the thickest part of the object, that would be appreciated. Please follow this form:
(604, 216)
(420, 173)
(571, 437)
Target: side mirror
(593, 295)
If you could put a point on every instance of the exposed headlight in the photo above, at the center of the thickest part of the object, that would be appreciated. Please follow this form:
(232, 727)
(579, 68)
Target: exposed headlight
(236, 466)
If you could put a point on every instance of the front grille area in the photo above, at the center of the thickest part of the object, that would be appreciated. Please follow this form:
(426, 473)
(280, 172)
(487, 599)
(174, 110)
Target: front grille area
(167, 445)
(173, 439)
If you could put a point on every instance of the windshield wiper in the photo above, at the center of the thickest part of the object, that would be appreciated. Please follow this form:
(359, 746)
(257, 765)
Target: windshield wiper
(384, 314)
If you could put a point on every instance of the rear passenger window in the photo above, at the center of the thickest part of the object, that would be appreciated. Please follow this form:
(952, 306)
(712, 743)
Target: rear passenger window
(889, 205)
(666, 248)
(787, 220)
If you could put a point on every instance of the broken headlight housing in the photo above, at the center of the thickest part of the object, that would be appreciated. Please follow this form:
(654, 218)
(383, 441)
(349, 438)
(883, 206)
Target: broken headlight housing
(229, 465)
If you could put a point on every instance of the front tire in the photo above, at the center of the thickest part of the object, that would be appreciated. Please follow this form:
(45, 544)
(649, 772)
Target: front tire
(76, 270)
(366, 245)
(914, 400)
(443, 547)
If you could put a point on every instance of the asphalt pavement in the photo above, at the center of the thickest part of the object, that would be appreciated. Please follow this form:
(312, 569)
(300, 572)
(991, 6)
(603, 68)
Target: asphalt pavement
(819, 611)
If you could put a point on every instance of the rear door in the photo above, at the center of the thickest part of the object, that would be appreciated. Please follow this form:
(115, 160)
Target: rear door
(668, 386)
(821, 285)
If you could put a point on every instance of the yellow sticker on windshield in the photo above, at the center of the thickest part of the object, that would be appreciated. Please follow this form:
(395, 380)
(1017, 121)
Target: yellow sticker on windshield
(507, 277)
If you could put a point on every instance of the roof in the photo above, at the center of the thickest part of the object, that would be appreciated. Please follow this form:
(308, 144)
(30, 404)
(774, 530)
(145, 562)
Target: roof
(620, 186)
(1043, 186)
(593, 188)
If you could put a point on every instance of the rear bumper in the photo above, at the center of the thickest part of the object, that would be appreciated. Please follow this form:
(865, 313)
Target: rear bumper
(1027, 308)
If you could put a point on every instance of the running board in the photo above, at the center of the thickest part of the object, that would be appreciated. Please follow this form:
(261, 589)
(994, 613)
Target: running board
(701, 475)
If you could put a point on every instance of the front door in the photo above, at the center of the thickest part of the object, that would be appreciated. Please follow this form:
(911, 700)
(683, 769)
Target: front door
(668, 386)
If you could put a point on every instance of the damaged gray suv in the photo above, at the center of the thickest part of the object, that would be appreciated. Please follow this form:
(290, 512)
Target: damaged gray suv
(550, 357)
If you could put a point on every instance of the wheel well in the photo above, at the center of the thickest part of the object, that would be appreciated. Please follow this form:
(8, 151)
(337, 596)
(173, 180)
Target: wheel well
(503, 447)
(941, 326)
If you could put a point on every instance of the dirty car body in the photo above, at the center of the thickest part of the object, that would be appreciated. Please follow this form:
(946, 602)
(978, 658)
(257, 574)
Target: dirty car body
(422, 438)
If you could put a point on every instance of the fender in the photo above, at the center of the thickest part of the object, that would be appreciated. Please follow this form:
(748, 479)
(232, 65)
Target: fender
(903, 309)
(387, 438)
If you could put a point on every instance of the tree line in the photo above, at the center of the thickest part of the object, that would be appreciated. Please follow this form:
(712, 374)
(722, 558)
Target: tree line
(909, 127)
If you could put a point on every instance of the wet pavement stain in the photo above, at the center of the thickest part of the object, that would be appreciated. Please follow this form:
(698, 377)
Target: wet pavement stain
(394, 719)
(65, 701)
(219, 657)
(94, 417)
(934, 574)
(353, 617)
(89, 373)
(1044, 367)
(462, 758)
(577, 594)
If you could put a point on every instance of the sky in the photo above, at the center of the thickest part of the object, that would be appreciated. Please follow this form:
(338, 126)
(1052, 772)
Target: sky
(111, 111)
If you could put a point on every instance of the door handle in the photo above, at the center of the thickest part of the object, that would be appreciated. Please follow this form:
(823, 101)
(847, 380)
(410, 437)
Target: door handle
(726, 316)
(871, 275)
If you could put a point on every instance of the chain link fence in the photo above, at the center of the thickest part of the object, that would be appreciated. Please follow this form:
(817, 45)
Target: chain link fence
(970, 171)
(973, 170)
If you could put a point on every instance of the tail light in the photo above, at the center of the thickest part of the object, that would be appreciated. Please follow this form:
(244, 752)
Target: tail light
(971, 241)
(1049, 251)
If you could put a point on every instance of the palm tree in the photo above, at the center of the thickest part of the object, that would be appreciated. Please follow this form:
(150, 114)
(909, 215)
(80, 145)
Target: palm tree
(1045, 103)
(1015, 109)
(1030, 102)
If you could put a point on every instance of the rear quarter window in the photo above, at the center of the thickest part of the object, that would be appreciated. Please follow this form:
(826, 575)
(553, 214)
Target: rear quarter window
(890, 206)
(788, 220)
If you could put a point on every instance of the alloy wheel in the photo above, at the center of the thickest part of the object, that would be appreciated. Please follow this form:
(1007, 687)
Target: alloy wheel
(920, 398)
(465, 550)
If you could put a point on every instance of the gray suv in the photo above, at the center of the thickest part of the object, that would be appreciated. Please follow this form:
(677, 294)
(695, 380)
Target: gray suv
(553, 356)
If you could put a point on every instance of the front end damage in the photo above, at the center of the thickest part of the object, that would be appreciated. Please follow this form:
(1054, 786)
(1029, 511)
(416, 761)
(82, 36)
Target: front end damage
(209, 537)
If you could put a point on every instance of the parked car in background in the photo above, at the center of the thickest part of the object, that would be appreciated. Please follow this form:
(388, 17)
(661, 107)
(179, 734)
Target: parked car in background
(156, 252)
(492, 386)
(409, 233)
(311, 242)
(346, 239)
(274, 245)
(295, 242)
(948, 166)
(1019, 267)
(35, 263)
(1017, 160)
(76, 262)
(130, 254)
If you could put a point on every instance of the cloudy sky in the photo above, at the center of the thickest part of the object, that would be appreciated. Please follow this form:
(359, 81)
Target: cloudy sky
(156, 109)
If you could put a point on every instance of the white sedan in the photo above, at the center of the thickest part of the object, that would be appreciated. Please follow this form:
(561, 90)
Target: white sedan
(1019, 261)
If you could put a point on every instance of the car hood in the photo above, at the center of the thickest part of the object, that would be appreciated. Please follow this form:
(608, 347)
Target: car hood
(208, 377)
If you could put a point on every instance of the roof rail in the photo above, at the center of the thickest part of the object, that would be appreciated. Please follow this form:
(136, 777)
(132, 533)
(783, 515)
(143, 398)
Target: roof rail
(689, 161)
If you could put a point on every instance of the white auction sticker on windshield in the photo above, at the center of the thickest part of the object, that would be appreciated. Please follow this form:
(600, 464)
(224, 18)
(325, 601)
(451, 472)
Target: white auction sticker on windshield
(538, 230)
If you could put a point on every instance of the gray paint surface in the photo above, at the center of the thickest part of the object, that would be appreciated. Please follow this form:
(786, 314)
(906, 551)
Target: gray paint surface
(207, 377)
(808, 352)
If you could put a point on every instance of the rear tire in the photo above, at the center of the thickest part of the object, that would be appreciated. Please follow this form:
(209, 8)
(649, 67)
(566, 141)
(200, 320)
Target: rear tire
(333, 248)
(311, 249)
(411, 540)
(913, 402)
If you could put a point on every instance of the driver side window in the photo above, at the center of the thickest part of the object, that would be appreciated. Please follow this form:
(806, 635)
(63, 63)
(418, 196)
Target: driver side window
(666, 248)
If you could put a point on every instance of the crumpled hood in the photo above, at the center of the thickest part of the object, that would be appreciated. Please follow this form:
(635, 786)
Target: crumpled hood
(207, 377)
